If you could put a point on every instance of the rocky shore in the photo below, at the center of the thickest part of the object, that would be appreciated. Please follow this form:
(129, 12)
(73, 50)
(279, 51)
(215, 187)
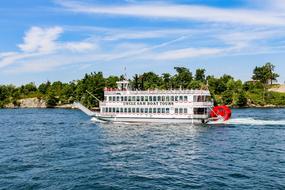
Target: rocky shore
(35, 103)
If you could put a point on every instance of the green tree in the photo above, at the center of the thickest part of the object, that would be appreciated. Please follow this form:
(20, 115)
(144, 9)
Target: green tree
(200, 75)
(183, 77)
(111, 81)
(150, 80)
(51, 100)
(265, 73)
(195, 85)
(166, 78)
(43, 88)
(241, 99)
(227, 97)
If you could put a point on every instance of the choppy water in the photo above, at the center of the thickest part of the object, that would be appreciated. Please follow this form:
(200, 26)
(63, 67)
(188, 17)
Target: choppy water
(63, 149)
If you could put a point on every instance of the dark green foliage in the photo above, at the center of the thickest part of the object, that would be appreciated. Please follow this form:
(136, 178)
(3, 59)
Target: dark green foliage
(166, 80)
(183, 77)
(43, 88)
(227, 97)
(241, 99)
(51, 100)
(200, 75)
(265, 74)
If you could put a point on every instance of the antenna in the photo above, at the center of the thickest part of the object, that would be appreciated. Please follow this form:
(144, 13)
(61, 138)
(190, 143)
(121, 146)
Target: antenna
(125, 72)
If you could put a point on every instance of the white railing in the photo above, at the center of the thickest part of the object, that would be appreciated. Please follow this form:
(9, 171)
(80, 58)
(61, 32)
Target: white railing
(200, 92)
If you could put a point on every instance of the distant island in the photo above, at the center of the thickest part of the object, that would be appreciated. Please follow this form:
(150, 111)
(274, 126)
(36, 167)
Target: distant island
(258, 92)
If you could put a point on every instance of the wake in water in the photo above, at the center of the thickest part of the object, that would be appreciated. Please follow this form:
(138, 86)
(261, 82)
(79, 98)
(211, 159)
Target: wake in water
(234, 121)
(251, 121)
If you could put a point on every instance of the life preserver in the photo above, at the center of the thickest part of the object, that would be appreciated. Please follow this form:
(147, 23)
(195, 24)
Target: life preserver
(221, 111)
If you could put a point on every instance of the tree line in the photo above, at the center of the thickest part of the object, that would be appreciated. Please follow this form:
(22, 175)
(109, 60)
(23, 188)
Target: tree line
(224, 89)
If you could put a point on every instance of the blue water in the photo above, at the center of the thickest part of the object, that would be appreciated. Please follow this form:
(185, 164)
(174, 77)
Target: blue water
(63, 149)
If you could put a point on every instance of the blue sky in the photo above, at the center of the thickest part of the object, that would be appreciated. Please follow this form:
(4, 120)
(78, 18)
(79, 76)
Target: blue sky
(62, 40)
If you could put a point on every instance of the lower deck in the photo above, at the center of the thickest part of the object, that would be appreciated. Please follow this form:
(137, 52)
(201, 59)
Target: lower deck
(171, 118)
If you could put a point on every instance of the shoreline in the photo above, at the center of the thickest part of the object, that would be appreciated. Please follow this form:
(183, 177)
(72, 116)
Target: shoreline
(70, 106)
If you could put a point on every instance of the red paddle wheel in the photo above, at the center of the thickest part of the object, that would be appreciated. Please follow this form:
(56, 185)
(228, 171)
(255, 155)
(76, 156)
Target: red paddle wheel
(223, 112)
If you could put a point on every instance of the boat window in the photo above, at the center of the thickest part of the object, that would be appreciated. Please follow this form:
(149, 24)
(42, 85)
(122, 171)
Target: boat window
(163, 110)
(154, 98)
(146, 98)
(150, 110)
(163, 98)
(176, 110)
(159, 98)
(180, 98)
(154, 110)
(133, 98)
(200, 98)
(167, 110)
(200, 111)
(129, 110)
(150, 98)
(185, 110)
(158, 110)
(167, 98)
(176, 98)
(172, 98)
(142, 98)
(137, 110)
(185, 98)
(180, 110)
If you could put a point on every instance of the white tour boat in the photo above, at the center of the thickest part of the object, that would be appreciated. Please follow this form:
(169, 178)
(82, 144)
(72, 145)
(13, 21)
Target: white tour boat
(157, 106)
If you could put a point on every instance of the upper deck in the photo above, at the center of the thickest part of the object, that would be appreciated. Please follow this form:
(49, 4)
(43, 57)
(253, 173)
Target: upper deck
(158, 92)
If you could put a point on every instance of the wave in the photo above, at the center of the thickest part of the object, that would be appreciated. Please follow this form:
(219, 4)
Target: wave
(251, 121)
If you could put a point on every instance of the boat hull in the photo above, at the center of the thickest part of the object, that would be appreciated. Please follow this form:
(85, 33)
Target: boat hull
(153, 120)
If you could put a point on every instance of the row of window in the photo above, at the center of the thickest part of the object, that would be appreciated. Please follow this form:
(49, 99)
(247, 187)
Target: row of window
(135, 110)
(197, 111)
(202, 98)
(200, 111)
(157, 98)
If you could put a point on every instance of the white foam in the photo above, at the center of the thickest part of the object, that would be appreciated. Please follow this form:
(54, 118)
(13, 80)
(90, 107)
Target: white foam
(95, 120)
(251, 121)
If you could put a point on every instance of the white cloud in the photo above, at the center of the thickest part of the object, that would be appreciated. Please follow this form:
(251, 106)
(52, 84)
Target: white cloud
(188, 12)
(78, 46)
(41, 39)
(188, 53)
(113, 45)
(39, 42)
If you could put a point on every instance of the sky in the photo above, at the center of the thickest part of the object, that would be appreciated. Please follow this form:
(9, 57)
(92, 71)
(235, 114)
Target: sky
(53, 40)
